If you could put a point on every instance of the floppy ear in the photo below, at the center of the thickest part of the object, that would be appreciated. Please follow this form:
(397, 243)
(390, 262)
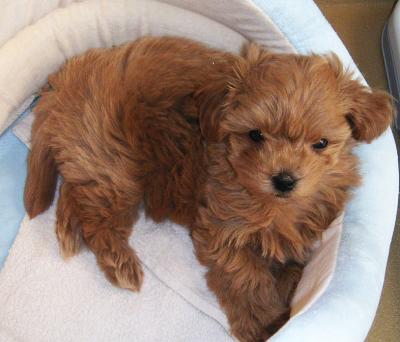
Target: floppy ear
(253, 53)
(210, 101)
(219, 93)
(253, 57)
(370, 111)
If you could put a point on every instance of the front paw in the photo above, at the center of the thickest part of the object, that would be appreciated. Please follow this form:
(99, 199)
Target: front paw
(273, 327)
(249, 328)
(251, 335)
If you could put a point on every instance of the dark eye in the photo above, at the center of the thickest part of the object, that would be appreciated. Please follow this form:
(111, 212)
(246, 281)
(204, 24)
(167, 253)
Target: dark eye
(321, 144)
(256, 135)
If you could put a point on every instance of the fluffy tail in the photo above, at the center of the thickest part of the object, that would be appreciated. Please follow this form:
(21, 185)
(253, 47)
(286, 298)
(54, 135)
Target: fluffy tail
(42, 178)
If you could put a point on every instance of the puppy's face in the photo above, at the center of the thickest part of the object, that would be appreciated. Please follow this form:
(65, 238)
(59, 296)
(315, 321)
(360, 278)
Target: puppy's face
(289, 122)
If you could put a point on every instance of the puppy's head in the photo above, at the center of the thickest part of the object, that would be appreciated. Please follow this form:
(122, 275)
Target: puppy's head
(288, 122)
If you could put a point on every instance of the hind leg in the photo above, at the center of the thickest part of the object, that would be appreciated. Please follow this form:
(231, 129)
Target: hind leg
(107, 221)
(68, 226)
(119, 262)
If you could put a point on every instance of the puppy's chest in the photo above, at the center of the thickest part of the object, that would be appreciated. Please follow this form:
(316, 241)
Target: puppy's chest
(278, 237)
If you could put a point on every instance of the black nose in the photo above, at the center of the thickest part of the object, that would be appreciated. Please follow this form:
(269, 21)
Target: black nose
(284, 182)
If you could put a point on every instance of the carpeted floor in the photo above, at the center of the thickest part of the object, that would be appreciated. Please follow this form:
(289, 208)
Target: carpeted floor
(359, 23)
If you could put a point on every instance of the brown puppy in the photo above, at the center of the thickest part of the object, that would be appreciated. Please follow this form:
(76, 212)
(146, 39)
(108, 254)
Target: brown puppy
(253, 153)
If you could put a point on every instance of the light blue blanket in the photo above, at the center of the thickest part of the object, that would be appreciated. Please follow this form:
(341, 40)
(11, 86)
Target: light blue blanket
(13, 155)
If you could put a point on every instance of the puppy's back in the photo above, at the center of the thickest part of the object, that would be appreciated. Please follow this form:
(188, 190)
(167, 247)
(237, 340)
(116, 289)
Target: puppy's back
(90, 116)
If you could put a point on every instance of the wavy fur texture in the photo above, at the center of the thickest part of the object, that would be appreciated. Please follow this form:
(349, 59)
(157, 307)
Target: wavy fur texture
(166, 122)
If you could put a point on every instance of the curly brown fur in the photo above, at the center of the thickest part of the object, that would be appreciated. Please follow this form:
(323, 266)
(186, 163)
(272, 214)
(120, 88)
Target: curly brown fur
(166, 122)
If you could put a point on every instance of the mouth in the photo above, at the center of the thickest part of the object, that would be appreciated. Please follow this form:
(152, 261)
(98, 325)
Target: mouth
(283, 195)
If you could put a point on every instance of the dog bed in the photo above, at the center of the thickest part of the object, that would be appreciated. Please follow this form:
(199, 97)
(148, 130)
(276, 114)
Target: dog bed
(44, 298)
